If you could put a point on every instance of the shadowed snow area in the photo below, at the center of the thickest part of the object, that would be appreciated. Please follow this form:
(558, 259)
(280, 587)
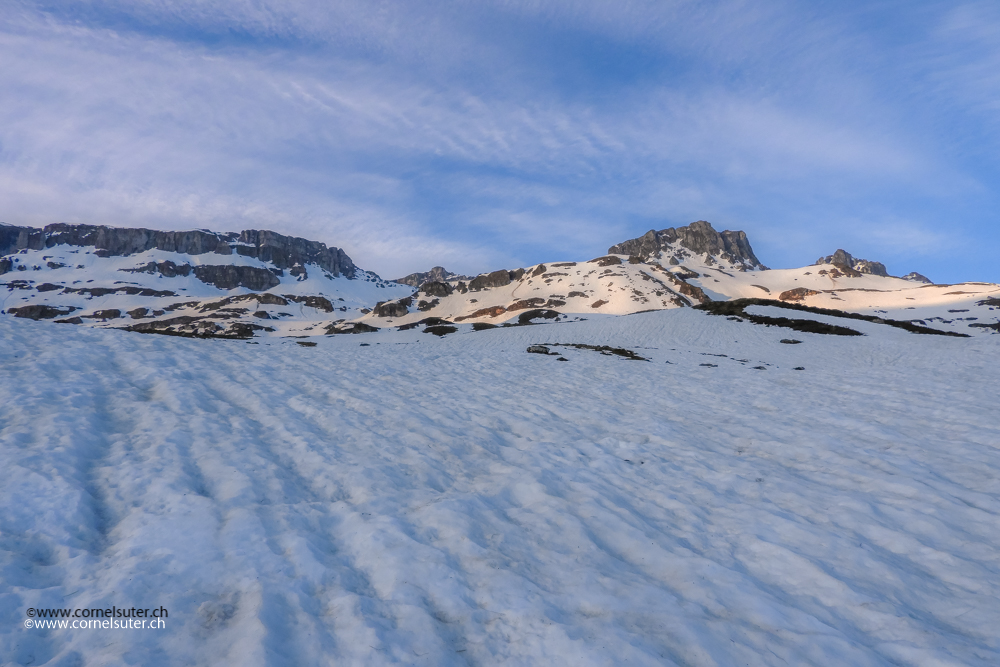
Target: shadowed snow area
(456, 500)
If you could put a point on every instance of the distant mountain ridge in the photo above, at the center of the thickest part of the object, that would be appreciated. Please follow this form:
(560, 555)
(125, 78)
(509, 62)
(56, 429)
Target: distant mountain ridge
(189, 283)
(284, 252)
(261, 283)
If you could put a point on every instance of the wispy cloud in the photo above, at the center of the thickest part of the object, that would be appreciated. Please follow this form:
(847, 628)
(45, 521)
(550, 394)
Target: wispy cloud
(483, 134)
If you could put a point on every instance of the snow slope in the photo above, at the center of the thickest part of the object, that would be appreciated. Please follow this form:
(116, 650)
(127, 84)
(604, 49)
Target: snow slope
(608, 285)
(621, 285)
(80, 284)
(398, 498)
(50, 271)
(948, 307)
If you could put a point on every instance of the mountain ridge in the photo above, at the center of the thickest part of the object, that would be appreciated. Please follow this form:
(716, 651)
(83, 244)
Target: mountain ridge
(285, 252)
(258, 282)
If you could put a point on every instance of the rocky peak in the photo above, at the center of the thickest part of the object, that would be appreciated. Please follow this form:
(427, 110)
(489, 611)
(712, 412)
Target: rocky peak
(284, 252)
(918, 278)
(438, 274)
(698, 237)
(844, 258)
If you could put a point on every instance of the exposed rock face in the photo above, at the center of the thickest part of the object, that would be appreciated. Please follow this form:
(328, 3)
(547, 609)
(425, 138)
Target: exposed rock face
(5, 265)
(526, 303)
(40, 312)
(9, 235)
(393, 308)
(225, 276)
(844, 259)
(698, 237)
(540, 313)
(424, 306)
(486, 280)
(228, 276)
(282, 251)
(436, 288)
(167, 269)
(495, 279)
(797, 294)
(438, 274)
(195, 327)
(317, 302)
(109, 314)
(917, 278)
(350, 328)
(492, 311)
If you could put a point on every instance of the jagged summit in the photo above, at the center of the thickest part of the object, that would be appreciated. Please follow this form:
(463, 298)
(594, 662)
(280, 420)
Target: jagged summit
(438, 274)
(844, 259)
(700, 238)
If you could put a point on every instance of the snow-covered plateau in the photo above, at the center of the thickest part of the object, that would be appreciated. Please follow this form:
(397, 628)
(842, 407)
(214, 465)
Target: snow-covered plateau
(399, 497)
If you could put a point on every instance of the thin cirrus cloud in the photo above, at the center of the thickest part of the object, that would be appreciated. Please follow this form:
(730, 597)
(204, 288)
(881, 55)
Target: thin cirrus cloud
(479, 135)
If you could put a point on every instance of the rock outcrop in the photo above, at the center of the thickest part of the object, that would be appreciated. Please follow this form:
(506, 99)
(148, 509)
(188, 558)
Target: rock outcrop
(495, 279)
(229, 276)
(438, 274)
(284, 252)
(699, 238)
(40, 311)
(436, 288)
(918, 278)
(842, 258)
(397, 308)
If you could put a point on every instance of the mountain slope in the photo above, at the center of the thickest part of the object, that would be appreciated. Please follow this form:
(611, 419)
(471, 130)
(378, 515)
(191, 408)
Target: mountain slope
(258, 283)
(679, 267)
(198, 282)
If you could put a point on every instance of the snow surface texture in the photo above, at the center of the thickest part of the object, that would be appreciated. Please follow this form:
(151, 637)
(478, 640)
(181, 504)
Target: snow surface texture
(456, 500)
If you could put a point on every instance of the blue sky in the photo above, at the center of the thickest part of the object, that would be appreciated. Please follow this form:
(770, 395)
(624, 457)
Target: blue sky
(501, 133)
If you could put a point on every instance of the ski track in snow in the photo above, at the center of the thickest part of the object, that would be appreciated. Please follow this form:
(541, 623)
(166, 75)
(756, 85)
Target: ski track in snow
(458, 501)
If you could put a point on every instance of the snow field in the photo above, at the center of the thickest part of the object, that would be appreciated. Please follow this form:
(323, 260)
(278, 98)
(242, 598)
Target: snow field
(458, 501)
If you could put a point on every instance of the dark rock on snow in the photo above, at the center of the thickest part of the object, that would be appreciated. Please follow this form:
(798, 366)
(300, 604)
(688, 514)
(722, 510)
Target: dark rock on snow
(40, 311)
